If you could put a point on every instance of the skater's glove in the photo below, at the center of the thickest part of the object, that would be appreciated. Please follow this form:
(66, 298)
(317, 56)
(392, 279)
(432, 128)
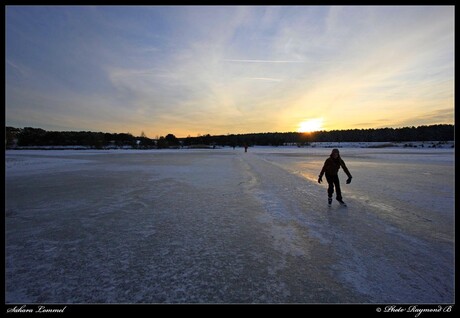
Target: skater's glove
(349, 180)
(320, 179)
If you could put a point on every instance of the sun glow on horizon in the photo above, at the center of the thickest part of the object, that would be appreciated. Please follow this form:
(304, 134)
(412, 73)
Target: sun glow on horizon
(311, 125)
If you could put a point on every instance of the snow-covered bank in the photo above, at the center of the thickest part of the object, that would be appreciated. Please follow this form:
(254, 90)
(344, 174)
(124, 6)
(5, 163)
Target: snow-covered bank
(221, 225)
(398, 144)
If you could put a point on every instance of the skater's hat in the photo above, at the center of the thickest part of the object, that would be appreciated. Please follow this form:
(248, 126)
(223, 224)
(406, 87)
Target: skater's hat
(335, 150)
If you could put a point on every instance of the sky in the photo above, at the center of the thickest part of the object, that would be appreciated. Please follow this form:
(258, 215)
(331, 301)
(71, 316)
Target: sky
(195, 70)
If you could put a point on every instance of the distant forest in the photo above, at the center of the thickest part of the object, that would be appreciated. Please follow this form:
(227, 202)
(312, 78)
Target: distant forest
(36, 137)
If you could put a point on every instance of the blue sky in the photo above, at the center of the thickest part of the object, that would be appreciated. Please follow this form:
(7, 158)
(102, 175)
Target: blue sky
(192, 70)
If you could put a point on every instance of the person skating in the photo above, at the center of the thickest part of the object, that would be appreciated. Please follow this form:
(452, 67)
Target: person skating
(331, 168)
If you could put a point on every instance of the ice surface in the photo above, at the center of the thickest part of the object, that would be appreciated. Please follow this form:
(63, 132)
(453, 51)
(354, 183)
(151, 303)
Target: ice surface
(224, 226)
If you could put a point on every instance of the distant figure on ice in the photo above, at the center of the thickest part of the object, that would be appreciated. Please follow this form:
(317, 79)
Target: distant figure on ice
(331, 168)
(245, 148)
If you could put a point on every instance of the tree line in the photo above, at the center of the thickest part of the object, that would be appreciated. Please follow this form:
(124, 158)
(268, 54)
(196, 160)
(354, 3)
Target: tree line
(406, 134)
(35, 137)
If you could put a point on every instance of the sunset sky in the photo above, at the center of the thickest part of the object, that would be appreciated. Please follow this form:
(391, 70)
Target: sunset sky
(190, 70)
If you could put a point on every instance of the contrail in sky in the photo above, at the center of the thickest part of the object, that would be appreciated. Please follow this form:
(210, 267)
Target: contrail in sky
(270, 79)
(261, 61)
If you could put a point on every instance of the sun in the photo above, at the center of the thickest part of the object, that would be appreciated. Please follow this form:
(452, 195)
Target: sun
(311, 125)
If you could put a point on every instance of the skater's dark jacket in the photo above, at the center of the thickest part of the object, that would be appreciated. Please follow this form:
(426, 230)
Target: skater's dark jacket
(331, 167)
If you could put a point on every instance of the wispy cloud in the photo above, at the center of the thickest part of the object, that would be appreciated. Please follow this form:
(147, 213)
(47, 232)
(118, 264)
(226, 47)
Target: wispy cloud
(20, 69)
(438, 116)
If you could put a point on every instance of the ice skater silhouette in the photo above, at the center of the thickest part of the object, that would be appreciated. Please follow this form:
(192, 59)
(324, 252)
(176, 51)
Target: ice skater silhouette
(331, 168)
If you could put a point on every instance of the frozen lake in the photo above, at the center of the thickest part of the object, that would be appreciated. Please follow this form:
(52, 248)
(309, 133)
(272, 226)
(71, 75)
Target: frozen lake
(224, 226)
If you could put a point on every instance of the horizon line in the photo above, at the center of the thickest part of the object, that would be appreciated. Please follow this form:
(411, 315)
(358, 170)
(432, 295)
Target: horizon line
(247, 133)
